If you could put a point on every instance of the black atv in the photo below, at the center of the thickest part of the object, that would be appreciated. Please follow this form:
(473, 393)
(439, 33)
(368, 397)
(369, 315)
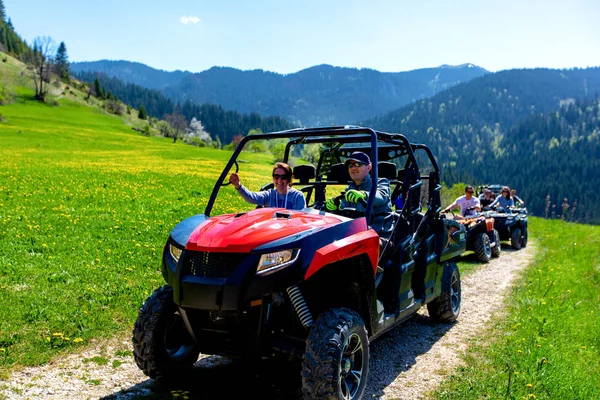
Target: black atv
(308, 285)
(482, 238)
(511, 225)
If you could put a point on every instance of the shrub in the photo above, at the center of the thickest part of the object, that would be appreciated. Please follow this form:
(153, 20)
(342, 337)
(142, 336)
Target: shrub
(195, 141)
(114, 107)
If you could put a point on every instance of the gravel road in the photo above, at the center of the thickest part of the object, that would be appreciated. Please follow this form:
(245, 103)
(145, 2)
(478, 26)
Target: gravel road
(406, 363)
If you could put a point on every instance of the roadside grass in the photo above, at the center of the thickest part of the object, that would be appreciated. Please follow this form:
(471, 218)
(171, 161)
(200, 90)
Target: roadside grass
(548, 345)
(86, 205)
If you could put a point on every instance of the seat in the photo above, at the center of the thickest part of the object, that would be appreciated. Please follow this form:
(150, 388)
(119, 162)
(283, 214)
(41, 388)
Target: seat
(338, 173)
(386, 169)
(304, 173)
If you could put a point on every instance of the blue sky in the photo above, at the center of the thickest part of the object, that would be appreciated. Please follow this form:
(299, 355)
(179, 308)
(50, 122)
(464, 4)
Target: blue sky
(288, 36)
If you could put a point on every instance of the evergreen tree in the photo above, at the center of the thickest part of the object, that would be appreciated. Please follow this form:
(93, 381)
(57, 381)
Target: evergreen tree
(2, 12)
(62, 62)
(142, 114)
(98, 89)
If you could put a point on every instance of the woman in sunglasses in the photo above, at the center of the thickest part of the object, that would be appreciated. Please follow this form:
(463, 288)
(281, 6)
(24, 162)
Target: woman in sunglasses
(282, 196)
(504, 201)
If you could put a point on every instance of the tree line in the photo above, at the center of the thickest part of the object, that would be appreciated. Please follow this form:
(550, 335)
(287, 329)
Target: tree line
(220, 123)
(533, 130)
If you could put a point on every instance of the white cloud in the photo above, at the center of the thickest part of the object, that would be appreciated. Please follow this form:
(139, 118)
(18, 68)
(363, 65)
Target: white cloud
(189, 19)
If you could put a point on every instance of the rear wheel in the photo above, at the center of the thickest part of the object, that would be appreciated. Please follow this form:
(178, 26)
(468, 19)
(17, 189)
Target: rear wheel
(446, 307)
(336, 360)
(482, 247)
(515, 238)
(162, 347)
(495, 238)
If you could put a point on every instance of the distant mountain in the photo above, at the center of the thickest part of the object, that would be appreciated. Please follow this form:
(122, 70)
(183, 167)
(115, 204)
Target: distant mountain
(132, 72)
(317, 96)
(536, 129)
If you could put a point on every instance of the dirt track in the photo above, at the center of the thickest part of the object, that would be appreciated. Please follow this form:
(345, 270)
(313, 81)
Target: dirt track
(406, 363)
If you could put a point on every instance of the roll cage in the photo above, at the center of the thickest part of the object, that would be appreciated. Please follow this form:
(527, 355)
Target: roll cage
(395, 158)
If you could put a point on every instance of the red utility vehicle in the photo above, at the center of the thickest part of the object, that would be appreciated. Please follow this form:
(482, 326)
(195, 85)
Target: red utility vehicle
(310, 285)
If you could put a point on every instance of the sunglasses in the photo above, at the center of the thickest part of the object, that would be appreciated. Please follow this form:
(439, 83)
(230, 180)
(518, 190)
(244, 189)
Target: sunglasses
(282, 177)
(468, 191)
(355, 165)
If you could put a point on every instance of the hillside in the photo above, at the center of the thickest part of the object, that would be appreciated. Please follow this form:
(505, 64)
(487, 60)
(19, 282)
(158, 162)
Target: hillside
(86, 204)
(221, 123)
(317, 96)
(492, 130)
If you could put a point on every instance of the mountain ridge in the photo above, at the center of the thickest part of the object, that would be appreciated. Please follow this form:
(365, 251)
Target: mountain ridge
(315, 96)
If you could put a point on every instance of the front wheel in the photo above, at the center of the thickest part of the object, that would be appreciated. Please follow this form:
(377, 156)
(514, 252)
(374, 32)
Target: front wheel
(515, 238)
(162, 346)
(336, 360)
(524, 238)
(495, 238)
(483, 247)
(446, 307)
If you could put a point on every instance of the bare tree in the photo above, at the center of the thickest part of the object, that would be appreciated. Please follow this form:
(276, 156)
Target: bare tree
(44, 49)
(178, 124)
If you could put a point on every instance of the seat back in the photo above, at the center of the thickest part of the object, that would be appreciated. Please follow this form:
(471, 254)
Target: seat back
(338, 173)
(304, 173)
(386, 169)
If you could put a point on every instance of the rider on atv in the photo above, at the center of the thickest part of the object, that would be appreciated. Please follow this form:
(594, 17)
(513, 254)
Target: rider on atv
(469, 204)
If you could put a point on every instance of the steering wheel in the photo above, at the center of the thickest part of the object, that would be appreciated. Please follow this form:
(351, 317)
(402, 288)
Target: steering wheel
(237, 168)
(349, 212)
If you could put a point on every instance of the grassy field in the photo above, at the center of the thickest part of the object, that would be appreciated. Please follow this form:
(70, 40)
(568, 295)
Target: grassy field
(548, 347)
(86, 205)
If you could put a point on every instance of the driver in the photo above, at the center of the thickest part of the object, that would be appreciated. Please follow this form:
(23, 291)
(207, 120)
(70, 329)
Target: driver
(504, 201)
(469, 205)
(283, 196)
(359, 167)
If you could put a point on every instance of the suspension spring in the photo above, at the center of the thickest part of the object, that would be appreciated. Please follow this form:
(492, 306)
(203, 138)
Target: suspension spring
(300, 306)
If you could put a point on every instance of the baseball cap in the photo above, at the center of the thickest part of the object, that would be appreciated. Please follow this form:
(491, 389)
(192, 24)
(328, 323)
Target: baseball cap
(360, 157)
(487, 191)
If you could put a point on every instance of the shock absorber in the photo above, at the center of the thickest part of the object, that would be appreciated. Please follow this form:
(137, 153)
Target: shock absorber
(300, 306)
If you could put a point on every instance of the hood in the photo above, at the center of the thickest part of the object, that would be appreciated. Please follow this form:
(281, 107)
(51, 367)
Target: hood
(246, 231)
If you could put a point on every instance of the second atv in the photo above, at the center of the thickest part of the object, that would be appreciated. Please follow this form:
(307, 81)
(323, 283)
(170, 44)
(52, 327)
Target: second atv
(482, 238)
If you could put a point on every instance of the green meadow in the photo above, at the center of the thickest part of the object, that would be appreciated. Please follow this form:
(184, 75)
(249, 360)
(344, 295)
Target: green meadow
(548, 346)
(86, 205)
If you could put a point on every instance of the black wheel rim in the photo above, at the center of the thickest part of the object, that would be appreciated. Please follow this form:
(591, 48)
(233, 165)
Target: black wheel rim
(351, 368)
(455, 293)
(487, 247)
(177, 340)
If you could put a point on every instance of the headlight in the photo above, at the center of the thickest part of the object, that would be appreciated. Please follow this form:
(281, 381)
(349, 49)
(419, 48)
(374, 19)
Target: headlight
(175, 252)
(274, 261)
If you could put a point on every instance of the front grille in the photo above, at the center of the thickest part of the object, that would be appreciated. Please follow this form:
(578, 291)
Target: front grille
(212, 265)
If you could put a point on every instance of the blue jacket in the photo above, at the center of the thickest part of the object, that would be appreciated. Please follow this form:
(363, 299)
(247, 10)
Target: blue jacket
(293, 200)
(503, 202)
(381, 215)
